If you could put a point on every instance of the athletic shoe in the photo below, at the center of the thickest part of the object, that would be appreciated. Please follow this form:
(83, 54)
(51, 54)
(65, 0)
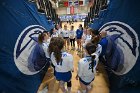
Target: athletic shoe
(45, 90)
(78, 91)
(77, 49)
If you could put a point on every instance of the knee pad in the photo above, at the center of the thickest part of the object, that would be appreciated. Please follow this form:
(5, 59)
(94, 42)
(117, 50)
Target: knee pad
(69, 84)
(61, 83)
(84, 91)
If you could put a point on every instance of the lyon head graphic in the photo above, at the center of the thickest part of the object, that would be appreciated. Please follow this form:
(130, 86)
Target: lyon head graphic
(25, 47)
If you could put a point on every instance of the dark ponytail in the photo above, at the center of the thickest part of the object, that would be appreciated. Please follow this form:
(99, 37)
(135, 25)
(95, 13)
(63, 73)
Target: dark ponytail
(57, 53)
(41, 38)
(56, 26)
(51, 31)
(81, 27)
(91, 48)
(51, 46)
(56, 45)
(93, 62)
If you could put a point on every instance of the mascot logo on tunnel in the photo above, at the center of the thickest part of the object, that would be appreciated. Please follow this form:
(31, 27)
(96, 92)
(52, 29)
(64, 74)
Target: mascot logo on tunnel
(25, 47)
(122, 49)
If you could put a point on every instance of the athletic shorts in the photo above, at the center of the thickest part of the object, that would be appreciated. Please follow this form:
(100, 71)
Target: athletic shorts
(85, 83)
(66, 37)
(79, 37)
(63, 76)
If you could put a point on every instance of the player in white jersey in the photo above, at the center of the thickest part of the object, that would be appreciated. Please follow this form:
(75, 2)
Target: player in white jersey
(43, 40)
(72, 37)
(42, 60)
(45, 45)
(63, 63)
(55, 33)
(83, 38)
(95, 40)
(65, 34)
(84, 35)
(87, 67)
(59, 30)
(87, 38)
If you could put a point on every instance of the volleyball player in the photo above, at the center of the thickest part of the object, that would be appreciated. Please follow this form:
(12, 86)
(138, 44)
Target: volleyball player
(84, 38)
(72, 37)
(55, 33)
(87, 67)
(42, 40)
(96, 40)
(63, 63)
(65, 33)
(45, 43)
(101, 41)
(84, 35)
(79, 34)
(87, 37)
(40, 59)
(59, 30)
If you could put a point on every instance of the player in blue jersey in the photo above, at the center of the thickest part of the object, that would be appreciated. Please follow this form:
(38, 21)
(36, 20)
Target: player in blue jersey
(79, 34)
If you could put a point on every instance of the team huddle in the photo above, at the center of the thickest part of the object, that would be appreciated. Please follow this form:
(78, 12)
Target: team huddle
(55, 42)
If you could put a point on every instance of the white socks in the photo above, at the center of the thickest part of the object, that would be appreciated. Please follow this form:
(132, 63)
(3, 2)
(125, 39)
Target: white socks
(89, 87)
(84, 91)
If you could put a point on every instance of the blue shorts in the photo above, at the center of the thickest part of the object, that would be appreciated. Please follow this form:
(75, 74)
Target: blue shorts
(79, 37)
(85, 83)
(63, 76)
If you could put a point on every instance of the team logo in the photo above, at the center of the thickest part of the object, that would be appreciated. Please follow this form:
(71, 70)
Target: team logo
(123, 48)
(25, 49)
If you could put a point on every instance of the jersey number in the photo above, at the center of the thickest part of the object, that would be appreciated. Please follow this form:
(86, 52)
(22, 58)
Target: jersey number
(90, 66)
(60, 63)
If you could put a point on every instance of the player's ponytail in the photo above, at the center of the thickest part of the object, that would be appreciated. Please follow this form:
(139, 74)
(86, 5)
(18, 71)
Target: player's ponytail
(55, 46)
(93, 56)
(81, 27)
(91, 48)
(41, 36)
(57, 53)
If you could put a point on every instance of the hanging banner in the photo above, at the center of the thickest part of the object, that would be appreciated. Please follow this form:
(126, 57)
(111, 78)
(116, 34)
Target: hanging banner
(20, 25)
(72, 10)
(122, 52)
